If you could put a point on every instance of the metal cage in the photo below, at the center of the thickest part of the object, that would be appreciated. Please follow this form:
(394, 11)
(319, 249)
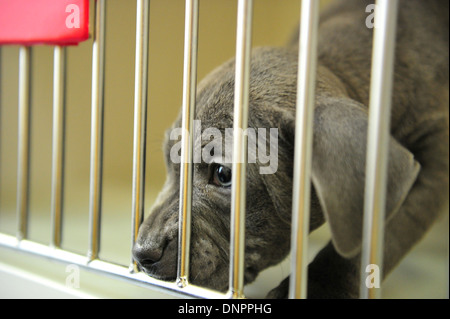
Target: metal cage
(381, 87)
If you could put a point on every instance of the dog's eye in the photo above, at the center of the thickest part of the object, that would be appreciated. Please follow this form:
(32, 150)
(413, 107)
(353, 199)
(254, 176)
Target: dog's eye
(221, 176)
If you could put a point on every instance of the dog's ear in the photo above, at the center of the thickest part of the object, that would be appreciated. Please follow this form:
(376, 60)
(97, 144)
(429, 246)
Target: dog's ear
(338, 170)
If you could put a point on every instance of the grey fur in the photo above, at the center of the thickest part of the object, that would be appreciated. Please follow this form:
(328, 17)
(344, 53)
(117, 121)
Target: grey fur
(418, 157)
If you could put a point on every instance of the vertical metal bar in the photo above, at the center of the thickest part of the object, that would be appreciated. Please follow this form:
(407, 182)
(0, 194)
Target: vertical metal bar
(23, 141)
(140, 118)
(241, 103)
(59, 82)
(377, 140)
(303, 147)
(96, 160)
(187, 140)
(1, 109)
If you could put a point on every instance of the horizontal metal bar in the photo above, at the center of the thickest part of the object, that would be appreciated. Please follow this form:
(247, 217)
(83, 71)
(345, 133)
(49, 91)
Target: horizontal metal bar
(377, 141)
(106, 268)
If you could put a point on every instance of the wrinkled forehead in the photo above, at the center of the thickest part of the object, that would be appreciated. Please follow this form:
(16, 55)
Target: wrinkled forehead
(272, 85)
(214, 101)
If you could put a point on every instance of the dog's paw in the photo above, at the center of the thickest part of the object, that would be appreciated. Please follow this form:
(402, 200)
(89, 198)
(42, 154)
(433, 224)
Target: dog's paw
(317, 289)
(280, 292)
(327, 290)
(330, 276)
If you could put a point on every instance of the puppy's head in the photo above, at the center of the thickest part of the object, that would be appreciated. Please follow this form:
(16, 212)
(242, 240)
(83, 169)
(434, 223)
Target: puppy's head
(338, 173)
(272, 100)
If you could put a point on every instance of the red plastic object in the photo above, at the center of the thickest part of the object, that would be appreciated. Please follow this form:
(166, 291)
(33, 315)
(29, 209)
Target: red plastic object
(27, 22)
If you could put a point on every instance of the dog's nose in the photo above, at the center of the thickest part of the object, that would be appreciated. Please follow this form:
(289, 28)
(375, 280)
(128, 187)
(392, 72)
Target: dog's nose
(147, 254)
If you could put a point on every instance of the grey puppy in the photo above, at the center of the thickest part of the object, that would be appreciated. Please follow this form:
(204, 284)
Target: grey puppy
(418, 158)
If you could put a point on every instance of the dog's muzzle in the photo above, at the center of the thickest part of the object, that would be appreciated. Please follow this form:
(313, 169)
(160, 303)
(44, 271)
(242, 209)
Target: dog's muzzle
(156, 259)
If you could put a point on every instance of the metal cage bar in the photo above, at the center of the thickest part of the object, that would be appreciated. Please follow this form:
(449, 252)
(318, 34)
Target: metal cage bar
(238, 195)
(1, 110)
(187, 140)
(140, 118)
(23, 157)
(59, 82)
(307, 60)
(96, 160)
(377, 149)
(377, 140)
